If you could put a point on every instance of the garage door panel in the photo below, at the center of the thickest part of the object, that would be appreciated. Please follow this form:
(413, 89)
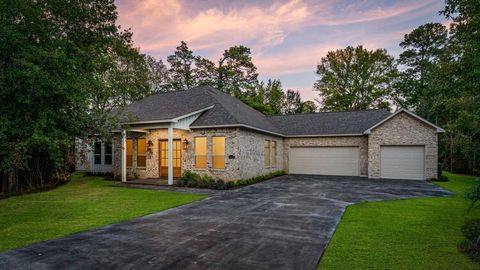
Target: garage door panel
(402, 162)
(324, 160)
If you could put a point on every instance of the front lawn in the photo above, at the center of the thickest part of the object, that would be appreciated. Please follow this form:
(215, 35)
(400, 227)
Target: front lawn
(404, 234)
(83, 203)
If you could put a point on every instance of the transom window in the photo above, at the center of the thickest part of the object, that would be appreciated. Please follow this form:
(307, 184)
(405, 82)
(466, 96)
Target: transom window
(218, 152)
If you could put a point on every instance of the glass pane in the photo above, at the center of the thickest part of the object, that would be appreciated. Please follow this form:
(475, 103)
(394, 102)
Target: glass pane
(141, 147)
(108, 159)
(97, 149)
(218, 152)
(108, 148)
(129, 160)
(266, 153)
(200, 152)
(98, 159)
(141, 161)
(274, 153)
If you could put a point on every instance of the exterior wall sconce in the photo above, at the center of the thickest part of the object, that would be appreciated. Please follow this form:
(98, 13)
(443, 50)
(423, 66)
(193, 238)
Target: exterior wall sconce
(149, 147)
(185, 144)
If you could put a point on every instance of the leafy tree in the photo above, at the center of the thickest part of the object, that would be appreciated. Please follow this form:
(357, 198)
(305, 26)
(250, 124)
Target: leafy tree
(266, 97)
(158, 76)
(236, 71)
(424, 49)
(293, 104)
(355, 79)
(53, 55)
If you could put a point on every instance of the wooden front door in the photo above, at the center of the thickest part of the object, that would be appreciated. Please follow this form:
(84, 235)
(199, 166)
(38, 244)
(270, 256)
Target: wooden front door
(163, 158)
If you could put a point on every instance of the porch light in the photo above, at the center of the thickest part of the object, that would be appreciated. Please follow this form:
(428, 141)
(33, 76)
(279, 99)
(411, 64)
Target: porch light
(149, 146)
(185, 144)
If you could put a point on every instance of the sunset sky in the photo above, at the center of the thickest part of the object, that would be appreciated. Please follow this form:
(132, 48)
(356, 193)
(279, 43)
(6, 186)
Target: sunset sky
(287, 38)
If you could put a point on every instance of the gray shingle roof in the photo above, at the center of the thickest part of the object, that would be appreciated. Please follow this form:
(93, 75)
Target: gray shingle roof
(328, 123)
(228, 110)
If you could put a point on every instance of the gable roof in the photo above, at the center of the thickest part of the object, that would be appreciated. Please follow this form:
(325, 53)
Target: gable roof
(328, 123)
(439, 129)
(219, 109)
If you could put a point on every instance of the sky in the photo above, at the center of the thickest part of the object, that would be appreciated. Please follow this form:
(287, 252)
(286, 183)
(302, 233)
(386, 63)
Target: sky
(287, 38)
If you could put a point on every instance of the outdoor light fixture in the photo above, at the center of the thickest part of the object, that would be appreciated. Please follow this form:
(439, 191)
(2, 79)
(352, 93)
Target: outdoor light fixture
(185, 144)
(149, 146)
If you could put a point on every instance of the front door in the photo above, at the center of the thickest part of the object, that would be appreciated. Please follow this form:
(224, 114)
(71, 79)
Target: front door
(163, 158)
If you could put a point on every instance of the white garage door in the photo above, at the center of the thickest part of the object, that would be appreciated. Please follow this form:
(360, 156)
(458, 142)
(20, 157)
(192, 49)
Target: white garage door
(402, 162)
(324, 160)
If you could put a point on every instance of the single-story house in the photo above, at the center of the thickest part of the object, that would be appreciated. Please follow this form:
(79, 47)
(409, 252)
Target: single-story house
(209, 132)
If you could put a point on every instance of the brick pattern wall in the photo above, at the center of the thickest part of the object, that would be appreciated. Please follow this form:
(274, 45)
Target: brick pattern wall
(403, 129)
(360, 141)
(250, 154)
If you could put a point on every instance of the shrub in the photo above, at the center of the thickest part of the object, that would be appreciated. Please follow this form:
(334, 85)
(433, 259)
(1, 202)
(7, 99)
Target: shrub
(442, 178)
(471, 245)
(473, 194)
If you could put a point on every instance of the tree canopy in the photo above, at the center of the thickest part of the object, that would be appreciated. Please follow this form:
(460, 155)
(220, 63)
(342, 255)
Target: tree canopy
(355, 79)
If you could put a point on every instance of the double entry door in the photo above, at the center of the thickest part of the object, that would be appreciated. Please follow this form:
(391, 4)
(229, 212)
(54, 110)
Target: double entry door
(163, 158)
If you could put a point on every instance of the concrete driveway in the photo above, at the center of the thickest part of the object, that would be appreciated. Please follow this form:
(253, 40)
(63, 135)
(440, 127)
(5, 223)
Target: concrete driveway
(283, 223)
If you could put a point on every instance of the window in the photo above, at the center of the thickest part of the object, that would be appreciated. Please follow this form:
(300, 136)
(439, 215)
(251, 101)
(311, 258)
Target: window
(274, 153)
(142, 153)
(129, 151)
(266, 153)
(218, 152)
(108, 153)
(97, 152)
(200, 152)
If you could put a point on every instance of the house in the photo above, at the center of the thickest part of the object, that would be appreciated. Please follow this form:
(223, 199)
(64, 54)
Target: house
(210, 132)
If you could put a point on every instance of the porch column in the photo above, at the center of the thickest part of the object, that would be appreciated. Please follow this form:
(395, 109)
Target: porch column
(124, 155)
(170, 155)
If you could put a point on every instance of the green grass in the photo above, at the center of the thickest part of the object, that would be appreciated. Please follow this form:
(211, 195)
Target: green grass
(404, 234)
(83, 203)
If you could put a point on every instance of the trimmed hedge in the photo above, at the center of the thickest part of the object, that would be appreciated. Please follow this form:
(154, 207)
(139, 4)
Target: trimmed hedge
(195, 180)
(471, 245)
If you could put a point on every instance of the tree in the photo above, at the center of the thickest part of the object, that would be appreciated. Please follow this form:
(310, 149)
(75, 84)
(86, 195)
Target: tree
(158, 76)
(52, 57)
(236, 72)
(355, 79)
(293, 103)
(266, 97)
(424, 49)
(182, 74)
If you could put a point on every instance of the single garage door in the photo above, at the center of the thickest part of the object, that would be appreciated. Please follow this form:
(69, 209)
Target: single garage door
(402, 162)
(324, 160)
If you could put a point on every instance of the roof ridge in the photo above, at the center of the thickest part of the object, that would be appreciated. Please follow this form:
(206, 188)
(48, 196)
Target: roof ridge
(309, 113)
(213, 92)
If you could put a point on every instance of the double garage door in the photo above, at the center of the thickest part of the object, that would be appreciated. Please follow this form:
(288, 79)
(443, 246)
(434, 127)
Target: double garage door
(396, 162)
(324, 160)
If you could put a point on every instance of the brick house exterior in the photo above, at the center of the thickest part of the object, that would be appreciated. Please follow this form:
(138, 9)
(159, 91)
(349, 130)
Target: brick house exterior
(248, 136)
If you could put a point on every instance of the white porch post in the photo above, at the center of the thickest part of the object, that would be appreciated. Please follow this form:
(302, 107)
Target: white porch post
(124, 155)
(170, 155)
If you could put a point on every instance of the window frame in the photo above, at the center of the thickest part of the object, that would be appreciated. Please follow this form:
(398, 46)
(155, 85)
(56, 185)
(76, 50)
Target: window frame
(223, 156)
(273, 153)
(195, 152)
(95, 154)
(126, 152)
(137, 153)
(105, 154)
(267, 156)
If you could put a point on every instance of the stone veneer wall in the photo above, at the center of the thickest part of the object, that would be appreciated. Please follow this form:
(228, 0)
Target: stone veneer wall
(403, 129)
(360, 141)
(244, 147)
(250, 156)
